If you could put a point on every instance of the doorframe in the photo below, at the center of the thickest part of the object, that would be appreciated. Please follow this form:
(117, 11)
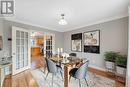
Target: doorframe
(14, 71)
(42, 31)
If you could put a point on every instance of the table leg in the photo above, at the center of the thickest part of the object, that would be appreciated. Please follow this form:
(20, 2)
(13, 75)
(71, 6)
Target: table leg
(65, 76)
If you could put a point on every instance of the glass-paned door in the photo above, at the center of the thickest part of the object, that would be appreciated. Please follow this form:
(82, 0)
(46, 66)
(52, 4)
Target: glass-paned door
(20, 49)
(49, 45)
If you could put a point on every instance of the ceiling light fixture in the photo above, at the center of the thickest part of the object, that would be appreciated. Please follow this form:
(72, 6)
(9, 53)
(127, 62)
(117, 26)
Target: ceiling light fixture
(62, 20)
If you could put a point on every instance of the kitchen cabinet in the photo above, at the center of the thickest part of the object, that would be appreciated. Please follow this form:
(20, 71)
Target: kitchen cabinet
(35, 51)
(40, 41)
(5, 69)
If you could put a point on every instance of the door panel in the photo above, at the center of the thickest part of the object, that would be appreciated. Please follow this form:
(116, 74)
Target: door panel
(20, 49)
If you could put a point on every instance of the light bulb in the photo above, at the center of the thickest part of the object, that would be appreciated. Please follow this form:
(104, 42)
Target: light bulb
(63, 22)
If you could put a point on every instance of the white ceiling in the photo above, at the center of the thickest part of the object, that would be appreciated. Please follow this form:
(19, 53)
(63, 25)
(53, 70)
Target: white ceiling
(78, 13)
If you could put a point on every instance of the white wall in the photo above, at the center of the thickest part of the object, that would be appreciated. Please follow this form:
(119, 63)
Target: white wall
(7, 28)
(128, 61)
(1, 34)
(113, 37)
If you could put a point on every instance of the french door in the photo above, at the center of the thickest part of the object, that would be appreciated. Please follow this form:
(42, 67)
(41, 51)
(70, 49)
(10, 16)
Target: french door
(20, 50)
(49, 45)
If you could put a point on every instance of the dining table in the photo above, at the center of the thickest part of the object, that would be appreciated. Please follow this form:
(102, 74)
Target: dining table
(68, 64)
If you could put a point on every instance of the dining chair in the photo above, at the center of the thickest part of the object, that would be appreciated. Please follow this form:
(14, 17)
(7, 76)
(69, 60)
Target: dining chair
(44, 64)
(53, 69)
(73, 54)
(80, 73)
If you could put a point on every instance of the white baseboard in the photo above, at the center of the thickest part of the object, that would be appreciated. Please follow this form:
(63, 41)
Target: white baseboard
(95, 67)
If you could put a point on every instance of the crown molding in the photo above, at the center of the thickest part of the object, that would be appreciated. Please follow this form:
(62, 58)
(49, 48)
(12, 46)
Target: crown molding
(67, 30)
(99, 22)
(31, 24)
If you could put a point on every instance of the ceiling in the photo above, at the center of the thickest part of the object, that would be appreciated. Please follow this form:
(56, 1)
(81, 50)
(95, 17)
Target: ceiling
(78, 13)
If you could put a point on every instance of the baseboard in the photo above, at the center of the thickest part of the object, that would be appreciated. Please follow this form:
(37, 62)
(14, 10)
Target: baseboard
(98, 68)
(98, 71)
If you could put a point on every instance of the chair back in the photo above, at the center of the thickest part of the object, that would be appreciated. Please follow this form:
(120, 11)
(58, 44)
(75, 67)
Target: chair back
(73, 54)
(51, 66)
(82, 71)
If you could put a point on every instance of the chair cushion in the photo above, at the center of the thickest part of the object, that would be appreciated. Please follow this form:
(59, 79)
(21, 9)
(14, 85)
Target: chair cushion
(73, 71)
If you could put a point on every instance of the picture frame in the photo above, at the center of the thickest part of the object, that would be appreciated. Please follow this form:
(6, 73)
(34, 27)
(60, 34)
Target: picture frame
(1, 43)
(76, 42)
(92, 41)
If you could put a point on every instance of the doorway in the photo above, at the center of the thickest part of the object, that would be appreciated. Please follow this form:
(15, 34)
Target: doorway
(37, 43)
(42, 45)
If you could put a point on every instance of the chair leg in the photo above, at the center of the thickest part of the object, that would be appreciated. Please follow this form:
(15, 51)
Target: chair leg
(61, 74)
(52, 79)
(46, 75)
(45, 69)
(79, 83)
(86, 81)
(69, 77)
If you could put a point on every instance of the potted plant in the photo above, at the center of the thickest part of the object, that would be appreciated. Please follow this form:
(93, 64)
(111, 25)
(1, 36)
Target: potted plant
(121, 63)
(110, 60)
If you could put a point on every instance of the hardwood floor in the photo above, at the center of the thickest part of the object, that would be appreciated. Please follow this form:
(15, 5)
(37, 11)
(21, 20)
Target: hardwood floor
(25, 79)
(37, 62)
(102, 73)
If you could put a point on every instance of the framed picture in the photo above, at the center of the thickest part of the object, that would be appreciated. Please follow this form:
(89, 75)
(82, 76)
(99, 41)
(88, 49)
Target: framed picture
(92, 41)
(76, 42)
(1, 43)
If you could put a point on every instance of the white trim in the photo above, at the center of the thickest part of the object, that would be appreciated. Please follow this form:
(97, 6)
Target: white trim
(128, 61)
(53, 42)
(98, 22)
(65, 30)
(31, 24)
(13, 51)
(95, 67)
(14, 29)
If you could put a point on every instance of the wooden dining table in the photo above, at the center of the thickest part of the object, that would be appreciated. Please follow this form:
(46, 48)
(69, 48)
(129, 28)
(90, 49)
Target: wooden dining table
(67, 67)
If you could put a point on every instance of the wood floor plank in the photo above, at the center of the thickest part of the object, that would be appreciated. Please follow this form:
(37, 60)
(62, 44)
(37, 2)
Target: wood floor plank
(7, 80)
(30, 80)
(22, 81)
